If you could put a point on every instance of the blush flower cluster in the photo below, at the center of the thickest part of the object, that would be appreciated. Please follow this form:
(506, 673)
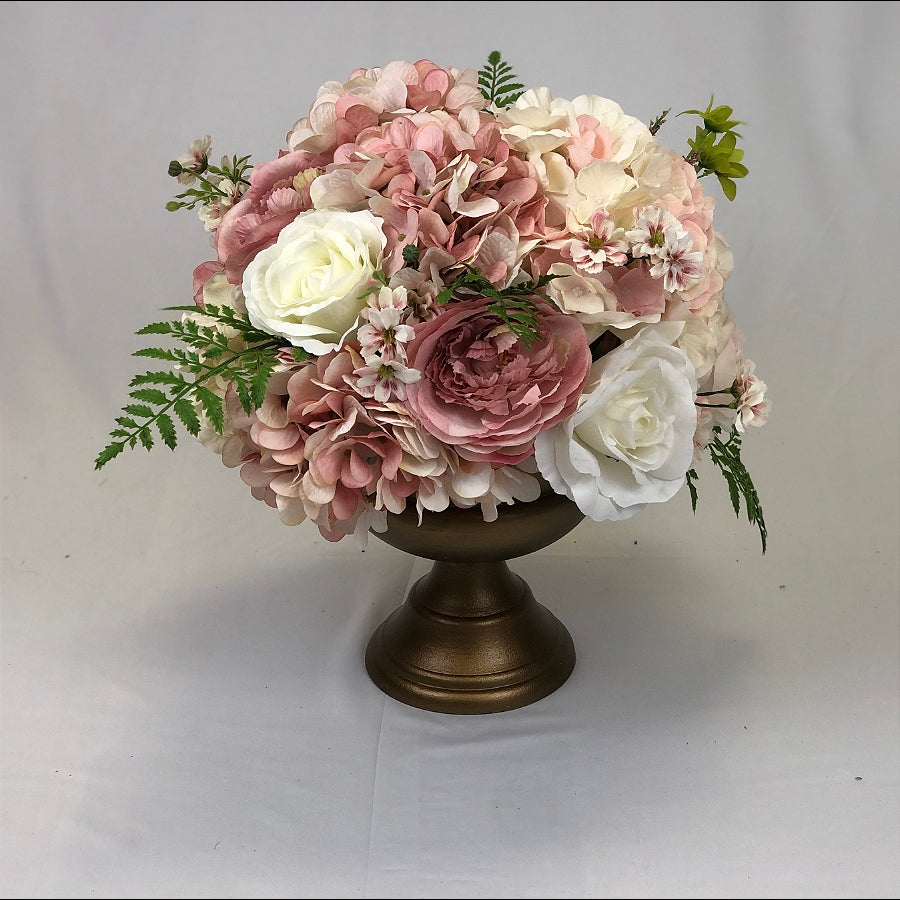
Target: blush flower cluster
(474, 304)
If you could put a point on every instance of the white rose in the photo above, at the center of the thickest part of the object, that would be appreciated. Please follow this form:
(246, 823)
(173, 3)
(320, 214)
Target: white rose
(630, 441)
(306, 287)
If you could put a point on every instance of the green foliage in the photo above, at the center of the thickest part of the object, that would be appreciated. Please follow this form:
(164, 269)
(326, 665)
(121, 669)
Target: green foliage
(514, 305)
(206, 355)
(691, 475)
(411, 255)
(726, 457)
(236, 170)
(714, 148)
(657, 123)
(498, 82)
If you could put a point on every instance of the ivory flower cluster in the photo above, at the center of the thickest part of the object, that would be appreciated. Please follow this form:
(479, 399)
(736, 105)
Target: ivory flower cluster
(473, 304)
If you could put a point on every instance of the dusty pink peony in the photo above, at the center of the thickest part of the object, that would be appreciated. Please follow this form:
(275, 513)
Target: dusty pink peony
(484, 392)
(271, 202)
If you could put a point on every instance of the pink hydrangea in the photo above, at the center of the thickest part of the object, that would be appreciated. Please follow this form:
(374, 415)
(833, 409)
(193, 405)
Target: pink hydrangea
(341, 111)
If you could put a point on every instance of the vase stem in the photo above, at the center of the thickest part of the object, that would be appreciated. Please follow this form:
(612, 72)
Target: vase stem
(469, 590)
(470, 638)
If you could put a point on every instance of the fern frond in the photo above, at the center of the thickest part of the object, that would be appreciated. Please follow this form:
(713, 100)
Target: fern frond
(156, 395)
(497, 82)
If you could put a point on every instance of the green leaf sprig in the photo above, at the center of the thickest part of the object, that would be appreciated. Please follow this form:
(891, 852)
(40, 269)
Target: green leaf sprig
(236, 170)
(714, 148)
(498, 82)
(726, 457)
(657, 123)
(513, 305)
(156, 395)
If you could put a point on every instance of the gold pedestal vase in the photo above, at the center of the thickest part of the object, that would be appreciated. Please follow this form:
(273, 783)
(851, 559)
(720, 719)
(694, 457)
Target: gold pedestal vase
(470, 637)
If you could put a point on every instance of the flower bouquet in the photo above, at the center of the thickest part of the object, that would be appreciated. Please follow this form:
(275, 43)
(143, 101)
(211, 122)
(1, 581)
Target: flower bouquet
(451, 292)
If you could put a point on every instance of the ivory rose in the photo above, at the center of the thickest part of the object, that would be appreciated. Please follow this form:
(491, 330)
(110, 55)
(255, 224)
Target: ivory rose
(630, 442)
(307, 287)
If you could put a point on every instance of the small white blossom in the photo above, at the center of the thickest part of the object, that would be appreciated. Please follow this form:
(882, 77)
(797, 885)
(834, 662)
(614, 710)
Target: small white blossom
(195, 158)
(384, 379)
(603, 247)
(678, 264)
(211, 213)
(384, 332)
(654, 230)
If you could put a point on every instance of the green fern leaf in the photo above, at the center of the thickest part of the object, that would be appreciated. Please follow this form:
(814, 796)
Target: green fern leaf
(110, 451)
(244, 395)
(495, 80)
(157, 378)
(150, 395)
(185, 411)
(157, 353)
(138, 409)
(212, 407)
(166, 428)
(691, 476)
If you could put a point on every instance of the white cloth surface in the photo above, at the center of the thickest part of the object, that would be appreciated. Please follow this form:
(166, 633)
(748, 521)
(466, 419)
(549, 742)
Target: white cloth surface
(185, 711)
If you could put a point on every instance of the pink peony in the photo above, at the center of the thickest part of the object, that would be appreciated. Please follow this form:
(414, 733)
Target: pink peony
(483, 391)
(270, 203)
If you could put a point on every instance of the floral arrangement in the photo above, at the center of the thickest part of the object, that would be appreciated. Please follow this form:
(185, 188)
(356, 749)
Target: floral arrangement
(450, 291)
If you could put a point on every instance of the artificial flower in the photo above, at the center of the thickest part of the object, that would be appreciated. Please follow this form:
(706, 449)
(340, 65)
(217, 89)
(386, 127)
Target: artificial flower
(308, 286)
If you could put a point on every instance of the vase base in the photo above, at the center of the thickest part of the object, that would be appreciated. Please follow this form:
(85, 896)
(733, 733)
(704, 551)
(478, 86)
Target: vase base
(470, 664)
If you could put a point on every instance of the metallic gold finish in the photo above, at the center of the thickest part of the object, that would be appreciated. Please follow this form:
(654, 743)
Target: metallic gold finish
(470, 637)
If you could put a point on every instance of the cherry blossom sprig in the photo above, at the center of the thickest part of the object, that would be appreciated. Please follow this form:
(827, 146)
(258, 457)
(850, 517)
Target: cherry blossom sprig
(220, 186)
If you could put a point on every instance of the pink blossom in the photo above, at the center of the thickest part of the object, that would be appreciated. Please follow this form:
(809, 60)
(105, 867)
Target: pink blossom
(601, 247)
(636, 290)
(445, 182)
(654, 229)
(348, 455)
(483, 391)
(678, 264)
(385, 379)
(752, 408)
(384, 334)
(350, 452)
(589, 141)
(342, 111)
(194, 161)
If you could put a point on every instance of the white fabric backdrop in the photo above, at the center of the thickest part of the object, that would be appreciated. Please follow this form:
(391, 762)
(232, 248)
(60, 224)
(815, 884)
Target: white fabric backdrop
(184, 706)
